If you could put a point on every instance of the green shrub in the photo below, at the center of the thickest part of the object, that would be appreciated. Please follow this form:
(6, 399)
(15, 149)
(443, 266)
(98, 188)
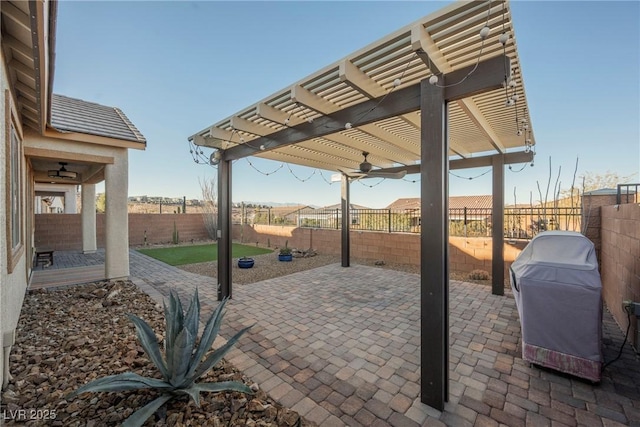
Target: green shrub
(479, 275)
(181, 366)
(286, 250)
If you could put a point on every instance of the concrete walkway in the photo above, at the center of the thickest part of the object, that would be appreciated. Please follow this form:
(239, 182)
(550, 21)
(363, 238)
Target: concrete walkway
(341, 346)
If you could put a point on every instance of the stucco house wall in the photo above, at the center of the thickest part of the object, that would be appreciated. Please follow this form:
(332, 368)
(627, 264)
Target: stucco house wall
(12, 285)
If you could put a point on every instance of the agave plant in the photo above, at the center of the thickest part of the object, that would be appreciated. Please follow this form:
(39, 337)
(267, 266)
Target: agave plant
(181, 365)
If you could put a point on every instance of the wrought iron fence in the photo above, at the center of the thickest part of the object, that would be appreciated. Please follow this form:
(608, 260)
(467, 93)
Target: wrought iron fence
(627, 193)
(519, 223)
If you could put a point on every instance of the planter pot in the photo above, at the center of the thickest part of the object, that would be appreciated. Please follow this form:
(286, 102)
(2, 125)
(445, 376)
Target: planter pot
(282, 257)
(245, 263)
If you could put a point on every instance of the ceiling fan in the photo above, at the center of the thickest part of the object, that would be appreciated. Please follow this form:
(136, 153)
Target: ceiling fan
(366, 171)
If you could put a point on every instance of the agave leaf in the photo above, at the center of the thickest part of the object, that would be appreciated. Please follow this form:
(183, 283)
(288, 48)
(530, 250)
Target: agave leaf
(120, 382)
(174, 324)
(209, 335)
(181, 354)
(192, 318)
(138, 418)
(191, 391)
(224, 386)
(217, 355)
(150, 344)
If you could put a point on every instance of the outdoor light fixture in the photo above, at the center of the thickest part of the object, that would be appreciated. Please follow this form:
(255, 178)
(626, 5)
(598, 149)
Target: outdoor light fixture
(215, 157)
(62, 172)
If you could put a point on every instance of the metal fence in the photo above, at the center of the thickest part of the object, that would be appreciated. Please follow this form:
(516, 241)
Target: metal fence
(627, 193)
(519, 223)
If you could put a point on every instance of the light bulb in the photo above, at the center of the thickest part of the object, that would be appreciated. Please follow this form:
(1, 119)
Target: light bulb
(515, 97)
(528, 142)
(262, 147)
(527, 149)
(484, 32)
(309, 120)
(510, 102)
(512, 83)
(286, 121)
(241, 139)
(433, 79)
(504, 37)
(397, 82)
(519, 133)
(347, 125)
(525, 126)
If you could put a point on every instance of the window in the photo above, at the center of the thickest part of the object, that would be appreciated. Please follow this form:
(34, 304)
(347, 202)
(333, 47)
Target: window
(15, 191)
(13, 203)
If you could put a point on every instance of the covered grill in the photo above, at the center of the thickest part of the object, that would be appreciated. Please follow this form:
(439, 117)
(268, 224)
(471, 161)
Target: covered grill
(558, 293)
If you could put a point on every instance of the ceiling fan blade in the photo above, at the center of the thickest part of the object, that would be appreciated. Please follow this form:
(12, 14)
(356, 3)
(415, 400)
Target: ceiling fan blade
(388, 175)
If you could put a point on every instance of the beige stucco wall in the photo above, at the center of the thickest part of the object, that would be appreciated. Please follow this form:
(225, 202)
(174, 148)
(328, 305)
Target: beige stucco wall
(12, 286)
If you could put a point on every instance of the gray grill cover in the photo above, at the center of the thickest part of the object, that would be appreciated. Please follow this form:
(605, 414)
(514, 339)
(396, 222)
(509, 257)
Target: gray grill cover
(558, 293)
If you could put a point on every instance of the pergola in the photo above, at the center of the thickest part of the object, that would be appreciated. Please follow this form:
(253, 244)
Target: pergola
(385, 100)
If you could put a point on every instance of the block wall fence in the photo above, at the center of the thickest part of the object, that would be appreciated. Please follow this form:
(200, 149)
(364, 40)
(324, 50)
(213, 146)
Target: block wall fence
(465, 254)
(620, 261)
(63, 232)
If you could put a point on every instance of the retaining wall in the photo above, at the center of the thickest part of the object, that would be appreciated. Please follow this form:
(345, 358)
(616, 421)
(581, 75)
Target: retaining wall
(63, 232)
(465, 254)
(620, 260)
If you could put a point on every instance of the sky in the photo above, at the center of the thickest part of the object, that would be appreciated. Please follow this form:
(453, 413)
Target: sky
(177, 67)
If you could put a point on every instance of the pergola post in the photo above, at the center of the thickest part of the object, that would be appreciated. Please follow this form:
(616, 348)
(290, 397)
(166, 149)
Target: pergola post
(497, 229)
(346, 222)
(88, 217)
(434, 247)
(224, 230)
(116, 262)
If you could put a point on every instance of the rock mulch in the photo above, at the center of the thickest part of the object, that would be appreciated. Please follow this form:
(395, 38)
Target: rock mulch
(70, 336)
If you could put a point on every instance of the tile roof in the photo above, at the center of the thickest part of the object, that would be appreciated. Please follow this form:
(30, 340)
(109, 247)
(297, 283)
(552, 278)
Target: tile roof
(455, 202)
(76, 115)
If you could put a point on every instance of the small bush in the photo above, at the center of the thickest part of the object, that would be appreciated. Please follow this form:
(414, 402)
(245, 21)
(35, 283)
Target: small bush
(479, 275)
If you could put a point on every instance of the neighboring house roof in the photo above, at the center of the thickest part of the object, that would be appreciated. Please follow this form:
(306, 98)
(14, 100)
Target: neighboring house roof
(455, 202)
(76, 115)
(339, 206)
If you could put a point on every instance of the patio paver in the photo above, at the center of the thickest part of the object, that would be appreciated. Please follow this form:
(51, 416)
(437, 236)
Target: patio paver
(342, 346)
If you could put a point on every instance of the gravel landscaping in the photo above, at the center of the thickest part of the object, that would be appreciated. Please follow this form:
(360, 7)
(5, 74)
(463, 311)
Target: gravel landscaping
(70, 336)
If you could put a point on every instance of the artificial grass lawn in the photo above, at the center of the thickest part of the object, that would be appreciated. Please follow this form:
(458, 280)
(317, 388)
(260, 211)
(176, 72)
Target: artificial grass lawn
(181, 255)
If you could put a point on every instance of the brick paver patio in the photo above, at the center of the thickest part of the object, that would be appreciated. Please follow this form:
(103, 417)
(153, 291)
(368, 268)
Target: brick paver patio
(342, 345)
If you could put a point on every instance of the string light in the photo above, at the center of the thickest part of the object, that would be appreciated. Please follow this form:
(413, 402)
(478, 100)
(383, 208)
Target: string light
(519, 170)
(471, 177)
(297, 177)
(261, 172)
(372, 185)
(484, 32)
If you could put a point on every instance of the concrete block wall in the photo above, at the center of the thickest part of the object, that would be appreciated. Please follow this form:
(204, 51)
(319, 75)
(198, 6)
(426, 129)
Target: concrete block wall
(63, 232)
(620, 259)
(591, 216)
(466, 254)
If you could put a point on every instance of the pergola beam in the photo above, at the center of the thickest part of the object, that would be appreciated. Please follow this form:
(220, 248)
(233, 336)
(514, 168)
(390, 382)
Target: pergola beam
(351, 75)
(424, 46)
(312, 101)
(247, 126)
(277, 116)
(476, 116)
(473, 162)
